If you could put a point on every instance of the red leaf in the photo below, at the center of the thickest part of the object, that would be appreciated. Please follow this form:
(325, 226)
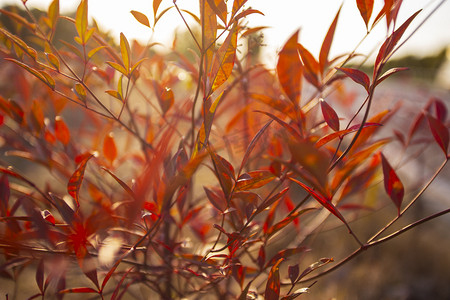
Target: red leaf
(311, 66)
(48, 216)
(390, 43)
(290, 69)
(441, 110)
(329, 115)
(325, 202)
(273, 282)
(365, 9)
(40, 276)
(389, 73)
(261, 259)
(293, 272)
(357, 76)
(392, 184)
(78, 290)
(326, 44)
(252, 144)
(4, 195)
(286, 221)
(224, 172)
(329, 137)
(440, 133)
(76, 179)
(218, 201)
(61, 131)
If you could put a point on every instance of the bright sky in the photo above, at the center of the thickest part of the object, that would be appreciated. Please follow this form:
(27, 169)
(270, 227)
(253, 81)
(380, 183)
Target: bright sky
(282, 16)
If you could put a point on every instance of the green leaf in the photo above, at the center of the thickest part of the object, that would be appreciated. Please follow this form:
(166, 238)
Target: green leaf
(118, 67)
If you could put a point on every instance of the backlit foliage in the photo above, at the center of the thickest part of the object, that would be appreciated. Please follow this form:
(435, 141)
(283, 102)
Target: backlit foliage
(196, 173)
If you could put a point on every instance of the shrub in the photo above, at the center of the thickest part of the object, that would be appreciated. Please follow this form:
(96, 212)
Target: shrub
(134, 172)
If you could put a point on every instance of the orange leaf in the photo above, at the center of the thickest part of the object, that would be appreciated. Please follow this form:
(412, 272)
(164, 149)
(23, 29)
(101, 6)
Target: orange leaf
(141, 18)
(392, 184)
(109, 147)
(209, 25)
(223, 61)
(73, 187)
(220, 9)
(311, 66)
(61, 131)
(253, 180)
(290, 69)
(326, 44)
(365, 9)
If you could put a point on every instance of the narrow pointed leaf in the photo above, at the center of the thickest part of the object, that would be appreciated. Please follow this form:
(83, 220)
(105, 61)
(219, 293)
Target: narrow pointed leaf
(216, 200)
(330, 115)
(73, 187)
(390, 43)
(237, 5)
(357, 76)
(122, 184)
(286, 221)
(81, 20)
(53, 60)
(365, 9)
(272, 291)
(325, 202)
(78, 290)
(118, 67)
(392, 184)
(53, 12)
(254, 179)
(311, 66)
(326, 44)
(252, 145)
(290, 69)
(440, 133)
(125, 51)
(141, 18)
(220, 9)
(224, 59)
(389, 73)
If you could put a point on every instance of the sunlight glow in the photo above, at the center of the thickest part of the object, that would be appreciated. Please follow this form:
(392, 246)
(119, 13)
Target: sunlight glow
(312, 17)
